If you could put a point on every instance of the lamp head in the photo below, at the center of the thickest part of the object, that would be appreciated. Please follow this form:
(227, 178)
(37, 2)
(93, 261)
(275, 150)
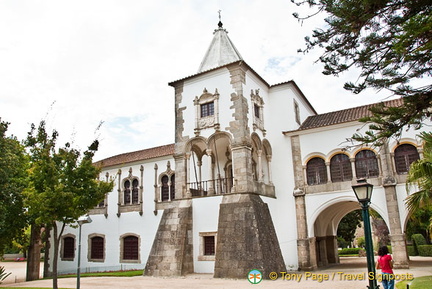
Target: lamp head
(363, 191)
(84, 220)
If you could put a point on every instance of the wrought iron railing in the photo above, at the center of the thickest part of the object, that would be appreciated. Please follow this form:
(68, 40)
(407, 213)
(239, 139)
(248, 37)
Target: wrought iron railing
(210, 187)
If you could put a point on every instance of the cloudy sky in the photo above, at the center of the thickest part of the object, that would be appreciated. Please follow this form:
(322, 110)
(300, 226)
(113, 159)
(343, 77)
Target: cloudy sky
(78, 63)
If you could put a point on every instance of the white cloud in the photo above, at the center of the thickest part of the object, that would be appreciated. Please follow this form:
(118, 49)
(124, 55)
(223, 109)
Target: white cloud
(106, 60)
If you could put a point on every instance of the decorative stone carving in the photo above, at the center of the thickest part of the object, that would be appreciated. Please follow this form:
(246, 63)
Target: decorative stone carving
(208, 121)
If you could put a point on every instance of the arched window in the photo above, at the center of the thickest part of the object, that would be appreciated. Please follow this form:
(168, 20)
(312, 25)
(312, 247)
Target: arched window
(366, 164)
(172, 187)
(340, 168)
(135, 191)
(165, 188)
(130, 248)
(97, 248)
(316, 171)
(404, 155)
(127, 192)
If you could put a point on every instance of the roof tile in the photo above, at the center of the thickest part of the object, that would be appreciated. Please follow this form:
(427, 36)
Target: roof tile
(342, 116)
(140, 155)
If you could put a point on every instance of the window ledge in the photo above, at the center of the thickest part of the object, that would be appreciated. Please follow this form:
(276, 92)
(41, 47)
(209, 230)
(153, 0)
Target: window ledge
(207, 258)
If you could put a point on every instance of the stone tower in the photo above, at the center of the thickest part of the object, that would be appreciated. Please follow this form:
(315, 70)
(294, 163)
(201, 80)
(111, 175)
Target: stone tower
(220, 152)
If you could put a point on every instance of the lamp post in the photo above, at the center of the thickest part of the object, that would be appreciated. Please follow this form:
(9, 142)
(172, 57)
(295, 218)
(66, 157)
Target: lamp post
(81, 220)
(363, 192)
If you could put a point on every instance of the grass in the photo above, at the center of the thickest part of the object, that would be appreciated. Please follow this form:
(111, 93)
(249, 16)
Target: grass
(130, 273)
(29, 288)
(424, 282)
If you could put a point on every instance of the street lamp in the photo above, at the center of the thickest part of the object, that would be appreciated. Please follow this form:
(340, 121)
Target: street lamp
(363, 192)
(81, 220)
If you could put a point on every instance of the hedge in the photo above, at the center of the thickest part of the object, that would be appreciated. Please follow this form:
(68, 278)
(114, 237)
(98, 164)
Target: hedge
(418, 240)
(349, 251)
(411, 250)
(425, 250)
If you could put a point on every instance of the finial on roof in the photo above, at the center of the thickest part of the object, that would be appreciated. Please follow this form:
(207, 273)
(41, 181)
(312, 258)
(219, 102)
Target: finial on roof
(220, 22)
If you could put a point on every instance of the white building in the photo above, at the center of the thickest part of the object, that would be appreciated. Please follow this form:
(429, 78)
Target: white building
(256, 179)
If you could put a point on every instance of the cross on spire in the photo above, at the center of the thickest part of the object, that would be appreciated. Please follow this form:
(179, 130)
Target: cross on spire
(220, 22)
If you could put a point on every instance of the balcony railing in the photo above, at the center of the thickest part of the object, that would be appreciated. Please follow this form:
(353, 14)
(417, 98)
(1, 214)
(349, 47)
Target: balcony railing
(211, 187)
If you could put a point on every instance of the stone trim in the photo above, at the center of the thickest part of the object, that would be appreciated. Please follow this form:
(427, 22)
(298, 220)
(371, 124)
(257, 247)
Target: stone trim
(89, 247)
(122, 247)
(257, 122)
(62, 246)
(207, 121)
(201, 256)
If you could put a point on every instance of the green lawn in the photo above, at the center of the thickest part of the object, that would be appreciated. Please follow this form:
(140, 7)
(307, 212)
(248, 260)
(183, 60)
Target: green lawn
(100, 274)
(424, 282)
(29, 288)
(131, 273)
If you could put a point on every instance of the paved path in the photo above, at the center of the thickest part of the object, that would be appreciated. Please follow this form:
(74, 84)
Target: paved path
(339, 277)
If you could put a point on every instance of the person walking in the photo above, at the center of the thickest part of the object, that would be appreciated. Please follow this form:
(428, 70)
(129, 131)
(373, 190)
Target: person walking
(385, 263)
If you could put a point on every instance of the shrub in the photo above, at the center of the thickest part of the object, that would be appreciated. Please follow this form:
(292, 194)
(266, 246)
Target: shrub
(418, 240)
(361, 242)
(349, 251)
(341, 242)
(425, 250)
(411, 250)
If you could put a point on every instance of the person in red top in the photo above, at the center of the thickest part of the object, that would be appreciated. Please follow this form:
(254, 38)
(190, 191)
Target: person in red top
(385, 263)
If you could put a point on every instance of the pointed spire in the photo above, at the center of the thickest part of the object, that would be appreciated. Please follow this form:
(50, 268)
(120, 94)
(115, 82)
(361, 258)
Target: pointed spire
(221, 51)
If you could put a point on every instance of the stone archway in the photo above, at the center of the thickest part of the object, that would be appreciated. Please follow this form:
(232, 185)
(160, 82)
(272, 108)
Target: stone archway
(323, 229)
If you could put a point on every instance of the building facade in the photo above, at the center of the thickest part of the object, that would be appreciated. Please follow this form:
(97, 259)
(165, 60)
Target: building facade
(256, 179)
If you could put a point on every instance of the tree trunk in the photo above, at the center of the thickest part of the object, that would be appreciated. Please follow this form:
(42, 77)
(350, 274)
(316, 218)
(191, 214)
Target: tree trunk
(57, 237)
(46, 239)
(55, 259)
(34, 251)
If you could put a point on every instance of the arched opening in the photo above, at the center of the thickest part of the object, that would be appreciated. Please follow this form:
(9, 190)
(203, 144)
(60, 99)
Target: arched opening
(209, 165)
(326, 234)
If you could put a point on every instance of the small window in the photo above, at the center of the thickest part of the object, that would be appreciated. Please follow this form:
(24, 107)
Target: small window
(130, 248)
(135, 191)
(207, 251)
(297, 112)
(165, 188)
(257, 110)
(316, 171)
(172, 187)
(97, 248)
(404, 156)
(366, 164)
(209, 245)
(340, 168)
(68, 248)
(207, 109)
(127, 192)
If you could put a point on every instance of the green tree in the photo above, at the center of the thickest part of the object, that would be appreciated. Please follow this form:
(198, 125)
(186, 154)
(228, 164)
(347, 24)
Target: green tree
(348, 226)
(63, 184)
(420, 223)
(420, 174)
(13, 166)
(390, 42)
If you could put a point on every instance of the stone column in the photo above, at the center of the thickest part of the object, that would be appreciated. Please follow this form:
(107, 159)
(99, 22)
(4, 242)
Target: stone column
(322, 251)
(305, 246)
(332, 249)
(187, 172)
(397, 237)
(327, 164)
(269, 159)
(352, 160)
(260, 175)
(211, 190)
